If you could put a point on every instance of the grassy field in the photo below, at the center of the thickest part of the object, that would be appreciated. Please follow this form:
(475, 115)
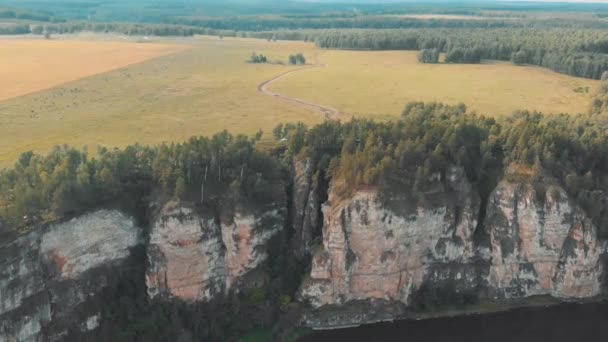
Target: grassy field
(200, 91)
(208, 87)
(378, 84)
(28, 66)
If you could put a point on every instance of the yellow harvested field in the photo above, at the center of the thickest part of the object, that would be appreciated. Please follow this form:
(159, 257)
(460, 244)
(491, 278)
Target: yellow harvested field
(28, 65)
(379, 83)
(199, 91)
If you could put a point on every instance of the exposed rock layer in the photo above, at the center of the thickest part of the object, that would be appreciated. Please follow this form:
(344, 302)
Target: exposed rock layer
(546, 247)
(49, 277)
(193, 258)
(377, 258)
(369, 252)
(534, 242)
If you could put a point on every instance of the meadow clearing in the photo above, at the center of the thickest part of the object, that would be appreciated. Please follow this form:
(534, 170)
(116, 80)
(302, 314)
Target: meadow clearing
(378, 83)
(203, 85)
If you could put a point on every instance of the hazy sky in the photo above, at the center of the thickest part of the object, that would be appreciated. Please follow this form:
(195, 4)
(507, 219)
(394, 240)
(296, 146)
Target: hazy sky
(395, 1)
(586, 1)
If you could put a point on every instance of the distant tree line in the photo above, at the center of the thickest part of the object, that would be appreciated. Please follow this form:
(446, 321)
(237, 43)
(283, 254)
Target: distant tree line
(122, 28)
(10, 13)
(291, 22)
(15, 29)
(572, 52)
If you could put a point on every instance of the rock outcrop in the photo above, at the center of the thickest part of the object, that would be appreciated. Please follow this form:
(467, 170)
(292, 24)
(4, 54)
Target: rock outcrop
(532, 241)
(381, 256)
(370, 252)
(540, 244)
(195, 258)
(50, 278)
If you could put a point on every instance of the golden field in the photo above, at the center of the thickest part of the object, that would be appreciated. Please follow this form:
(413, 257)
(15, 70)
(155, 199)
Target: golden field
(31, 65)
(379, 83)
(169, 90)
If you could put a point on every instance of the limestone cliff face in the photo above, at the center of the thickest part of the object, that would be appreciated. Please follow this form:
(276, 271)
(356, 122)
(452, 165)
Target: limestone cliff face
(379, 257)
(533, 241)
(50, 277)
(370, 252)
(194, 259)
(540, 244)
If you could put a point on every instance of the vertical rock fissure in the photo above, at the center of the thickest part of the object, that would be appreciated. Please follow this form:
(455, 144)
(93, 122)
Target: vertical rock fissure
(322, 190)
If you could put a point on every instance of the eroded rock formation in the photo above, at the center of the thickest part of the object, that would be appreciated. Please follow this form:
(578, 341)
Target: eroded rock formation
(370, 252)
(540, 244)
(533, 241)
(195, 258)
(49, 278)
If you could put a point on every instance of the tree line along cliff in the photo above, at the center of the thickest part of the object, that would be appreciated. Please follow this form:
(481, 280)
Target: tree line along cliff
(394, 156)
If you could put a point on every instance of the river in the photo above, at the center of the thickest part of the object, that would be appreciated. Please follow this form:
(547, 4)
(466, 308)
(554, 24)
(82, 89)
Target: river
(564, 322)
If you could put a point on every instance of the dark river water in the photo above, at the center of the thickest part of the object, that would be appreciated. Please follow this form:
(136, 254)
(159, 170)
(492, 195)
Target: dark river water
(566, 322)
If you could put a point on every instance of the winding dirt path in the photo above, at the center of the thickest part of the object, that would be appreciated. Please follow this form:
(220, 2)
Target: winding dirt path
(329, 112)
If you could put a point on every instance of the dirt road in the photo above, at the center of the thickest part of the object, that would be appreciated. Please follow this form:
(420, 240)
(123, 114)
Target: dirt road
(329, 112)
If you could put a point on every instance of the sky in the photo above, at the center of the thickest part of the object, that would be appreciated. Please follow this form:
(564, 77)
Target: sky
(396, 1)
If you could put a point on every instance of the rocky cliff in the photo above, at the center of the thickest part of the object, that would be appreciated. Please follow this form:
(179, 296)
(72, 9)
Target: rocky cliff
(50, 278)
(376, 258)
(195, 258)
(532, 241)
(371, 252)
(540, 243)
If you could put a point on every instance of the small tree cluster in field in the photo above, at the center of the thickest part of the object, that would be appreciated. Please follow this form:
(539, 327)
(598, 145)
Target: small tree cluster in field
(297, 59)
(430, 56)
(255, 58)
